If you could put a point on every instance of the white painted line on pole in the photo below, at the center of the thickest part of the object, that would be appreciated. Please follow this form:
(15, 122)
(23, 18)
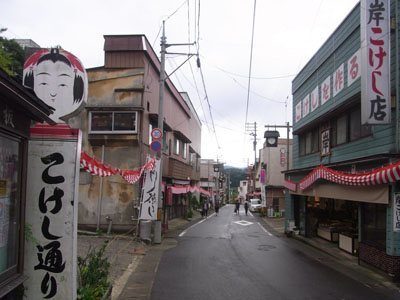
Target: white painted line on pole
(265, 230)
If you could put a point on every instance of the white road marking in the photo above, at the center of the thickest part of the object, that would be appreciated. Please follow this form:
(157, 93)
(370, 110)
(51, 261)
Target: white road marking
(184, 232)
(250, 213)
(243, 223)
(120, 283)
(265, 230)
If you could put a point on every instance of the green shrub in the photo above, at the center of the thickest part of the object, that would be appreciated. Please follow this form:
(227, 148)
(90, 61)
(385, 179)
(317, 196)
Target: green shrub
(93, 271)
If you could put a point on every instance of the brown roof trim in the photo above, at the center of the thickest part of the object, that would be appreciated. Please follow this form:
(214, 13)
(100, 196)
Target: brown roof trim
(25, 98)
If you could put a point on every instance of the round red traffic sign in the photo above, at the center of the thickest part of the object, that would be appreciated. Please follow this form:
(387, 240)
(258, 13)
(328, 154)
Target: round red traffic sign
(156, 134)
(155, 146)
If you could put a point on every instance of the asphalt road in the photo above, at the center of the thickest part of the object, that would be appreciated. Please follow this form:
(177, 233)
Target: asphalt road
(235, 257)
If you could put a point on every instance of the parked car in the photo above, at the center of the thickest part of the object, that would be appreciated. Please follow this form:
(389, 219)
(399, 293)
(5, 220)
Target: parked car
(255, 205)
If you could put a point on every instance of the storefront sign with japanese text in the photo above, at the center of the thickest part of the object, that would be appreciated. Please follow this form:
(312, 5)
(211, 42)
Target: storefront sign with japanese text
(338, 80)
(396, 212)
(325, 143)
(354, 68)
(52, 204)
(306, 106)
(375, 59)
(314, 99)
(149, 196)
(298, 112)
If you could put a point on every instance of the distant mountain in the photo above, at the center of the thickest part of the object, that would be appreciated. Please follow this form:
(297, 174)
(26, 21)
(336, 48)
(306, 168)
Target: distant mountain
(236, 174)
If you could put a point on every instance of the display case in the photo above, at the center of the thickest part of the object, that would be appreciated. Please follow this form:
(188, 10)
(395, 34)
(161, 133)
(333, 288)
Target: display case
(348, 242)
(328, 233)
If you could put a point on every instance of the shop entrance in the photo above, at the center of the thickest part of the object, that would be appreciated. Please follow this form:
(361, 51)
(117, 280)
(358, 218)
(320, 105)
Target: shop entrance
(334, 220)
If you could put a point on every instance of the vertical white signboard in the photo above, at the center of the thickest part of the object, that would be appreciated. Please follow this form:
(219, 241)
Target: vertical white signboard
(314, 99)
(375, 61)
(52, 205)
(326, 90)
(354, 68)
(149, 196)
(306, 106)
(396, 212)
(338, 80)
(298, 112)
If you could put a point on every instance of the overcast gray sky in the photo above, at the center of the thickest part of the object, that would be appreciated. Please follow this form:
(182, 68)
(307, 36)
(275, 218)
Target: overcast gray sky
(287, 34)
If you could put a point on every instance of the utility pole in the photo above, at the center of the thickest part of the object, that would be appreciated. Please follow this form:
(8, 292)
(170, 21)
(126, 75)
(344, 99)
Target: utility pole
(163, 77)
(252, 129)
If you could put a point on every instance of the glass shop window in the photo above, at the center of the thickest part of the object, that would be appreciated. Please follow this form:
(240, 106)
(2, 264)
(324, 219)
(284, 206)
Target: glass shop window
(374, 225)
(10, 203)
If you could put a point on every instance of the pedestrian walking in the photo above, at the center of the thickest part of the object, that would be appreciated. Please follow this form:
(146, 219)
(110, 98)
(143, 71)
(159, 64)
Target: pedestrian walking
(237, 207)
(205, 208)
(246, 207)
(216, 206)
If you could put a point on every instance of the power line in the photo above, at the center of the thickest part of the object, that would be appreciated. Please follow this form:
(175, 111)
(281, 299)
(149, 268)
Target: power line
(254, 77)
(180, 6)
(257, 94)
(198, 95)
(251, 61)
(209, 106)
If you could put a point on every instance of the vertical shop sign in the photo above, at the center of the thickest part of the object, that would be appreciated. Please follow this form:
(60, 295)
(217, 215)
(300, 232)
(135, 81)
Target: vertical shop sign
(298, 112)
(325, 143)
(306, 106)
(353, 68)
(338, 80)
(52, 204)
(396, 212)
(149, 196)
(375, 59)
(314, 99)
(326, 90)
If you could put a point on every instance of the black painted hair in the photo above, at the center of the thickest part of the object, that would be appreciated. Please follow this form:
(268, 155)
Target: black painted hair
(55, 56)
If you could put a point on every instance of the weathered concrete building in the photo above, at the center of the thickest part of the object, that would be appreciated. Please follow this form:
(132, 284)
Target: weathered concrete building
(270, 182)
(122, 110)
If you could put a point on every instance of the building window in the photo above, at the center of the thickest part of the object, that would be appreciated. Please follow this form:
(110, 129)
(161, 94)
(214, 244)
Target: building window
(315, 140)
(341, 130)
(374, 225)
(357, 130)
(184, 152)
(10, 204)
(113, 122)
(302, 142)
(176, 146)
(309, 142)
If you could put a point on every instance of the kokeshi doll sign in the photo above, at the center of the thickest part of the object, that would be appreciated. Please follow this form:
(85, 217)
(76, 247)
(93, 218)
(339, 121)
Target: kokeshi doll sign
(59, 79)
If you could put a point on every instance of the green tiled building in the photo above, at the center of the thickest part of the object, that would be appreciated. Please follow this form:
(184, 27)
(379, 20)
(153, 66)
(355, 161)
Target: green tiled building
(328, 131)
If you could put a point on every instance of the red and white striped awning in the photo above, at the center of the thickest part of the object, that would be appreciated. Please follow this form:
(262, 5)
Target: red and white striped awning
(383, 175)
(290, 185)
(184, 189)
(95, 167)
(98, 168)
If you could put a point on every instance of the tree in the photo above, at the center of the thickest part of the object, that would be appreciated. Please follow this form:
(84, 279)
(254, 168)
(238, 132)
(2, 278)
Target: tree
(12, 56)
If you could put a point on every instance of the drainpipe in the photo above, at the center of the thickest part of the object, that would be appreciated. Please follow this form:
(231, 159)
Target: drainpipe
(100, 193)
(397, 76)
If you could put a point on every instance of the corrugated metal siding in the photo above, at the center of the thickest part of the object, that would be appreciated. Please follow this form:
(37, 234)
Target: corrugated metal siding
(124, 59)
(123, 42)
